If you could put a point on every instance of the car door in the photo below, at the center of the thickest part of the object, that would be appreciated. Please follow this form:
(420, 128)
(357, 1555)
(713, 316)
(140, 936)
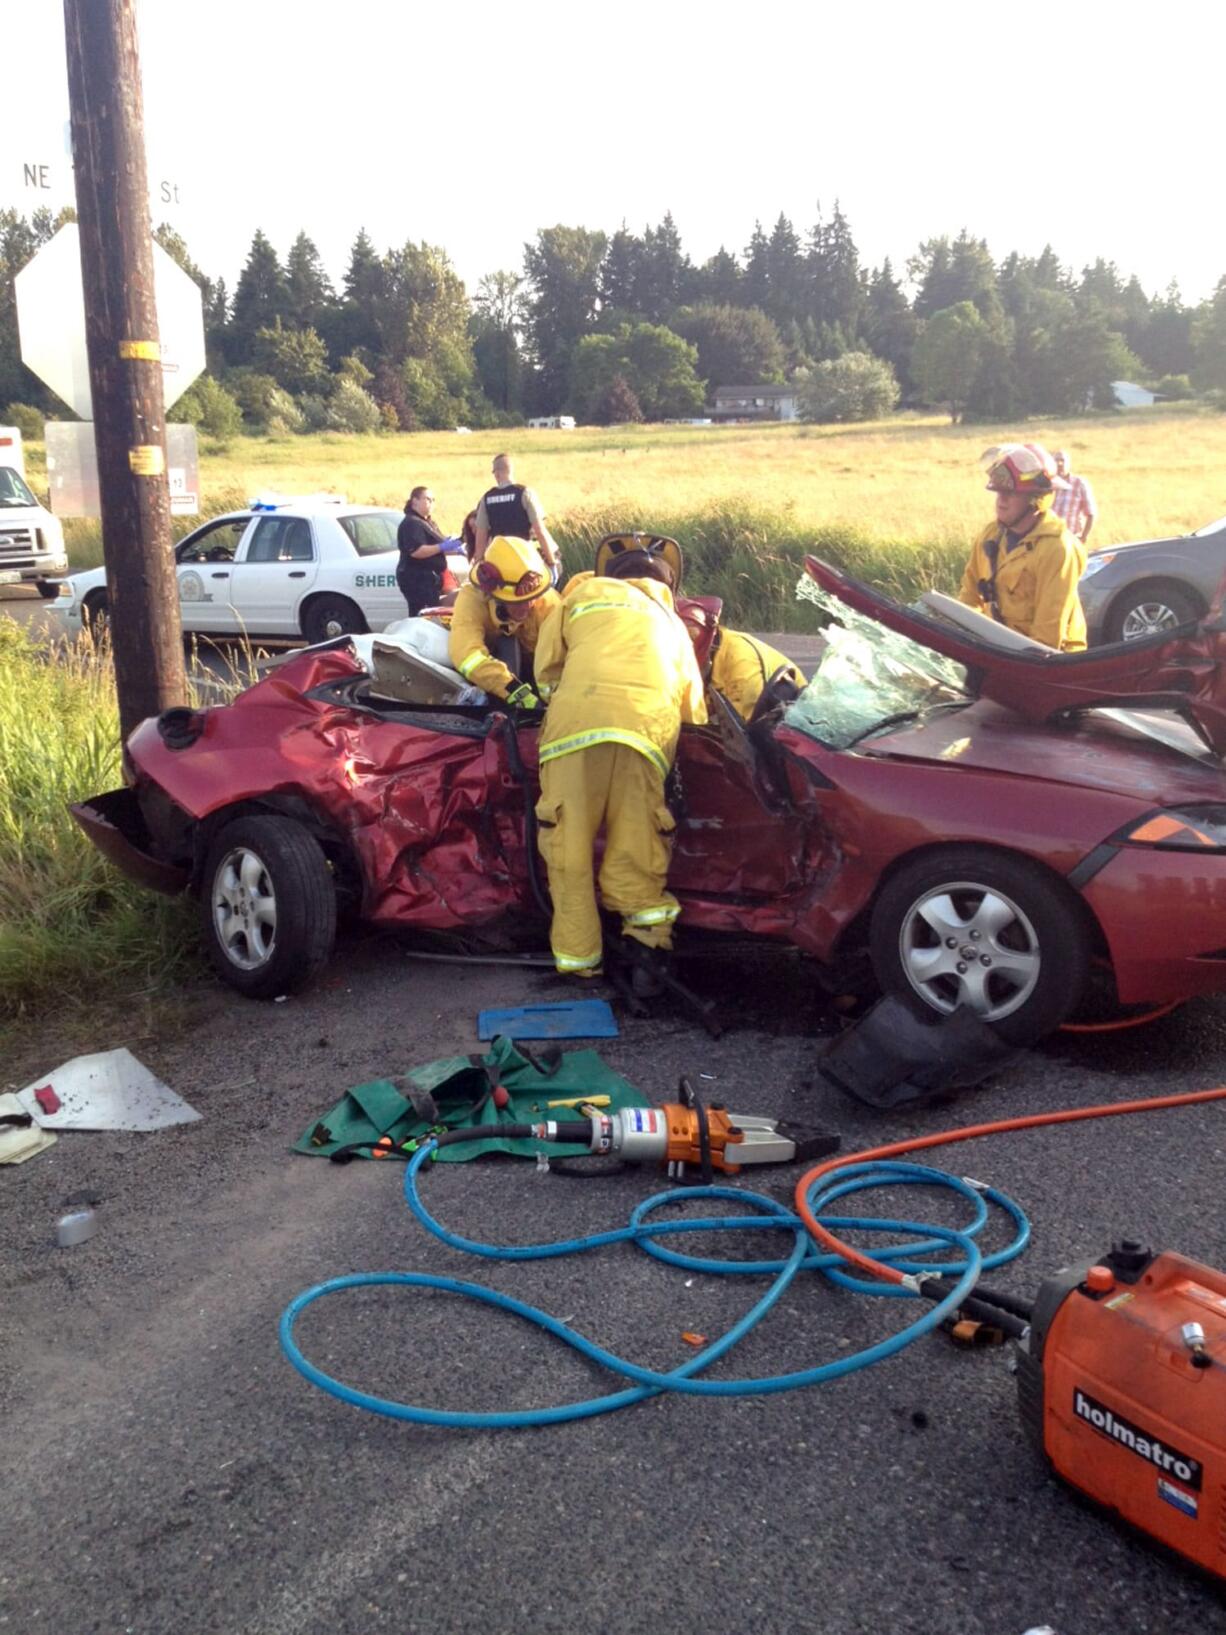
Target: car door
(366, 543)
(204, 564)
(278, 564)
(738, 836)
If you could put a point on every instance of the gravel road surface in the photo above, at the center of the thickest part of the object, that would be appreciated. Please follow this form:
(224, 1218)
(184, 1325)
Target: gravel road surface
(165, 1472)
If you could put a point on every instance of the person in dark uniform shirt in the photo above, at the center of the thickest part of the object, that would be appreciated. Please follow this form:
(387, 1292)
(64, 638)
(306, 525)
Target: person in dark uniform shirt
(511, 511)
(423, 553)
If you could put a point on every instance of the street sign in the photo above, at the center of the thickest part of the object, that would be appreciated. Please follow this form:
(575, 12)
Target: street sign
(51, 321)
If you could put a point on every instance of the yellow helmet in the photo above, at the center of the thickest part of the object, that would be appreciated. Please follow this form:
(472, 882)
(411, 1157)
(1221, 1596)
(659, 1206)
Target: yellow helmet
(512, 570)
(641, 550)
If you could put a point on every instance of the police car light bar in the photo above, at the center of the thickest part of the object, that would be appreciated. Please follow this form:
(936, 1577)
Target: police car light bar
(274, 502)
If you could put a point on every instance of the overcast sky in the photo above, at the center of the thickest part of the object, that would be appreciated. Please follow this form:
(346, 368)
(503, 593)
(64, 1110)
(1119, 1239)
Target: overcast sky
(1097, 126)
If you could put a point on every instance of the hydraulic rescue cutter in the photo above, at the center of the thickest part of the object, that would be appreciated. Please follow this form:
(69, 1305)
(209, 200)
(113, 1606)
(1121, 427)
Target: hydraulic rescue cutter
(689, 1136)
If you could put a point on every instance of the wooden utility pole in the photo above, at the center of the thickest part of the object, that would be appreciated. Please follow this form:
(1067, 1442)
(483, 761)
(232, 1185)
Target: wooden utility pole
(125, 371)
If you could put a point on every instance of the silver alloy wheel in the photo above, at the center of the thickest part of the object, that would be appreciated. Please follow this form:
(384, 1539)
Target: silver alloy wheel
(334, 627)
(1147, 619)
(244, 909)
(969, 944)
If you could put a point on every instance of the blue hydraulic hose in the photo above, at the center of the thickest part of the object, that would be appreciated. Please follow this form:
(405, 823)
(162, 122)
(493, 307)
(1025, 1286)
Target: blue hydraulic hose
(963, 1260)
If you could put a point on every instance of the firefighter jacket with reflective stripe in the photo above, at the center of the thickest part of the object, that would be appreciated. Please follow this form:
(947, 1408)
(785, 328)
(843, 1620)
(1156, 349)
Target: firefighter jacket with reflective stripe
(1033, 587)
(742, 665)
(617, 667)
(475, 622)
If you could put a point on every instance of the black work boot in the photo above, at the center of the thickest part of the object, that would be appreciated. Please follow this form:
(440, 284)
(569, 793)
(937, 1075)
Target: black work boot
(646, 965)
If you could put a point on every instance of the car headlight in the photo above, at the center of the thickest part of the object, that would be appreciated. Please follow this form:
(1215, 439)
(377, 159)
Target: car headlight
(1097, 562)
(1183, 829)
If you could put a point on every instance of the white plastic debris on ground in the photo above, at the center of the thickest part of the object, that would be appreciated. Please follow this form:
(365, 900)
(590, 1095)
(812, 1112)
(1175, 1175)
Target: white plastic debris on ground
(109, 1090)
(20, 1141)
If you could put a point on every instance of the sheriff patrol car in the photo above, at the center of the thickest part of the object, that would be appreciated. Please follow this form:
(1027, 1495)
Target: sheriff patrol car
(311, 566)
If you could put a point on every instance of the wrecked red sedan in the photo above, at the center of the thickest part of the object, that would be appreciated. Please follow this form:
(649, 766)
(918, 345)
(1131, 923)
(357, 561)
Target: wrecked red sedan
(984, 824)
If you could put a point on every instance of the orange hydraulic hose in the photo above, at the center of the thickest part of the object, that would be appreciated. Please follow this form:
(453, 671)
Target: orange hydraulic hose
(890, 1274)
(1124, 1022)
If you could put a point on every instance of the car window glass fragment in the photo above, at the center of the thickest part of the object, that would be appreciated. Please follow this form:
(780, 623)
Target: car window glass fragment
(867, 675)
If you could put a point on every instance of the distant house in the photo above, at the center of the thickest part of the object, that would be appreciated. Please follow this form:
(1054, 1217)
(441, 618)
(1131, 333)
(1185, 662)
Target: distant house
(756, 403)
(1131, 396)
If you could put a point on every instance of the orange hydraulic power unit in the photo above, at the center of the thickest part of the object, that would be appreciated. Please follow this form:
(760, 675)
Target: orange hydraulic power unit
(1122, 1385)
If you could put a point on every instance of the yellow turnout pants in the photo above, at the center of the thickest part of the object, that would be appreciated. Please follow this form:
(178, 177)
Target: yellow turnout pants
(617, 787)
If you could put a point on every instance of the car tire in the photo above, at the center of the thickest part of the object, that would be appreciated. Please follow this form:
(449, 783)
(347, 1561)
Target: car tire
(268, 906)
(1148, 610)
(330, 616)
(96, 613)
(1020, 950)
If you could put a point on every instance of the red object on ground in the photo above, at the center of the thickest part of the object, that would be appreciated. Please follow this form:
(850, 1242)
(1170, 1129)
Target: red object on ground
(47, 1099)
(501, 1097)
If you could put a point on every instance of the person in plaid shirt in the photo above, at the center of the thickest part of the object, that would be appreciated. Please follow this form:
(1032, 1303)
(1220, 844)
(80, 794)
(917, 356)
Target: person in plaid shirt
(1074, 505)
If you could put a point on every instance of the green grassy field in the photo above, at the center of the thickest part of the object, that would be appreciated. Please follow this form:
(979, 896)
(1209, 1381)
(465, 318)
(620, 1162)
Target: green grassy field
(909, 481)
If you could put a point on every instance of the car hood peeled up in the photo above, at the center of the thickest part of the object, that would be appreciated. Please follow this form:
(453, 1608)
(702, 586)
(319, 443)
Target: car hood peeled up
(1184, 675)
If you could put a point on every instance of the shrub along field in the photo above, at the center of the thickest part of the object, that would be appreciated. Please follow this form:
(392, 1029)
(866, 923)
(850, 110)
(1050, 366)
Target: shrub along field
(895, 501)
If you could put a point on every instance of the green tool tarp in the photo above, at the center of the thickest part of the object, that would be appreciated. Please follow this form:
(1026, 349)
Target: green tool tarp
(370, 1111)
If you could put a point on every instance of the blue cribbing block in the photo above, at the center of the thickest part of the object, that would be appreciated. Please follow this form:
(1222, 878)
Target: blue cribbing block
(571, 1019)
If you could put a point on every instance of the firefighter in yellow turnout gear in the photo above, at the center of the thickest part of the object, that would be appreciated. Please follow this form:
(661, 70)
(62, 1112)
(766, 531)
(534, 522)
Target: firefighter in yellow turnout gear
(617, 668)
(508, 595)
(741, 665)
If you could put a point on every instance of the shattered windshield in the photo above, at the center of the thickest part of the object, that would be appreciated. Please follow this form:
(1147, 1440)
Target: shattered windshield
(868, 676)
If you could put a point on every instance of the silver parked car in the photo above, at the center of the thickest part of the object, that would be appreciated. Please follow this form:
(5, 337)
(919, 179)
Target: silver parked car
(1129, 591)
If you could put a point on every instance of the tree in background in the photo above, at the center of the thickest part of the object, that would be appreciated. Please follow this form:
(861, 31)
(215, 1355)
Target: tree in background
(947, 355)
(617, 404)
(835, 294)
(856, 386)
(562, 269)
(718, 281)
(948, 274)
(1210, 331)
(785, 273)
(208, 405)
(261, 298)
(1166, 345)
(296, 358)
(736, 345)
(311, 296)
(657, 365)
(496, 326)
(350, 325)
(665, 273)
(756, 285)
(888, 324)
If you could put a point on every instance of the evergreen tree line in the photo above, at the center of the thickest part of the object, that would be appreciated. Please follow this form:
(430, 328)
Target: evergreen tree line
(625, 326)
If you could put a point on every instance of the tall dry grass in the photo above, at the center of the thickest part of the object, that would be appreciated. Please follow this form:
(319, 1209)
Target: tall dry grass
(71, 927)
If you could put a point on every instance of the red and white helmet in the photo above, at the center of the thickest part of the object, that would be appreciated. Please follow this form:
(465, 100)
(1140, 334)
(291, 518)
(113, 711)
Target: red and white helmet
(1021, 468)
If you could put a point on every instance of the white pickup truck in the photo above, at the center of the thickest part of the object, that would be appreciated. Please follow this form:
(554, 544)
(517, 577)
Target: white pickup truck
(31, 539)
